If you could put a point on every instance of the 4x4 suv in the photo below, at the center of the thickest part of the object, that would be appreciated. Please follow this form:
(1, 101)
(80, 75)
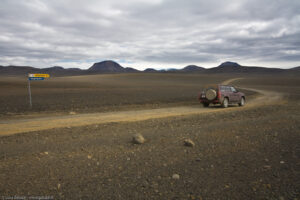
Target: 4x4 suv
(221, 94)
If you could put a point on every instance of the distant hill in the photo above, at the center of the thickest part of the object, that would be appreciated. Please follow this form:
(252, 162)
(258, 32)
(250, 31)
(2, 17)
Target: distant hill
(295, 69)
(193, 68)
(110, 66)
(130, 70)
(232, 67)
(24, 70)
(189, 68)
(107, 66)
(150, 70)
(229, 64)
(57, 70)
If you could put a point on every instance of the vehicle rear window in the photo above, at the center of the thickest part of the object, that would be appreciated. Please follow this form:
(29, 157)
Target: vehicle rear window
(223, 88)
(233, 89)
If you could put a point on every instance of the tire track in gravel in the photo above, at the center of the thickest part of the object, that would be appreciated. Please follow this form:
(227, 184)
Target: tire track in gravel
(9, 127)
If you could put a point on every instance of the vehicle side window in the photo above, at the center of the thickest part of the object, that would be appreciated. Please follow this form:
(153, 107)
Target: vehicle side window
(222, 88)
(233, 89)
(228, 89)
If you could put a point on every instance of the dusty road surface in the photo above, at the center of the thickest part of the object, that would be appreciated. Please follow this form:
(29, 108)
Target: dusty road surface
(239, 153)
(27, 124)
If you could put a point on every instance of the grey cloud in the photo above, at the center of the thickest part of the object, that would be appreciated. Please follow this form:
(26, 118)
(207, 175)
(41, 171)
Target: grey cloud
(40, 32)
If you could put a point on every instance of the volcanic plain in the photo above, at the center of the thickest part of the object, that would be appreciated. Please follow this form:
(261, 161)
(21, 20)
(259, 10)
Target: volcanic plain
(76, 140)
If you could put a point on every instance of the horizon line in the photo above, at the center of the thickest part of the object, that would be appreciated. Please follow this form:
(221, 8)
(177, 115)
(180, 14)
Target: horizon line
(158, 69)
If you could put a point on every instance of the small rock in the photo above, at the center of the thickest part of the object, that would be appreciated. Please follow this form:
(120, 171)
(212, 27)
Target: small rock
(89, 157)
(189, 143)
(176, 176)
(138, 139)
(58, 186)
(267, 166)
(46, 153)
(72, 113)
(281, 162)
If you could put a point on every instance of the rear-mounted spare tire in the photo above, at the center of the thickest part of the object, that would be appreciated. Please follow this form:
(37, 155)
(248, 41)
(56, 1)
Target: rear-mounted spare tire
(211, 94)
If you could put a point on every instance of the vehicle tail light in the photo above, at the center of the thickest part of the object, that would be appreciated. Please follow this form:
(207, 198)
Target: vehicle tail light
(219, 94)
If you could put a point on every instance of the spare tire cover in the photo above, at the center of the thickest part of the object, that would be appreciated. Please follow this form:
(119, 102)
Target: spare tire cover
(211, 94)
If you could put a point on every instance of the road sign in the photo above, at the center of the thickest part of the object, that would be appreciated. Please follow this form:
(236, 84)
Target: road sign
(36, 78)
(39, 75)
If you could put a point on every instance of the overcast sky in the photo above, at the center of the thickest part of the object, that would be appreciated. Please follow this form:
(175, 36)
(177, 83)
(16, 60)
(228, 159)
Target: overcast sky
(150, 33)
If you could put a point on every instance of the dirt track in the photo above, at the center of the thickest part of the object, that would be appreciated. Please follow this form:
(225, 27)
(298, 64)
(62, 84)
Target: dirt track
(9, 127)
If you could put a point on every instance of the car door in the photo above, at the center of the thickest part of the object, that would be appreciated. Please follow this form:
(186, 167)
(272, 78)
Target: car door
(222, 91)
(234, 94)
(228, 93)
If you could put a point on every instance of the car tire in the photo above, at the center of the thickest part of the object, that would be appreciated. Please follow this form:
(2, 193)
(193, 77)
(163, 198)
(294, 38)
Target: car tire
(205, 105)
(225, 103)
(242, 103)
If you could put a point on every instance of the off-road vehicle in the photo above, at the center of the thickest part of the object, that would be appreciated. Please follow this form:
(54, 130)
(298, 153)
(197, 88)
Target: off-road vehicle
(221, 94)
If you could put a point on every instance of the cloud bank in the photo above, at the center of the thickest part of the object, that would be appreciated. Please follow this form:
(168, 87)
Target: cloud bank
(150, 33)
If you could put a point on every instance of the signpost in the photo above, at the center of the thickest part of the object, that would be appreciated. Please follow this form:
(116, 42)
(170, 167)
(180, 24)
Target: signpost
(39, 75)
(35, 77)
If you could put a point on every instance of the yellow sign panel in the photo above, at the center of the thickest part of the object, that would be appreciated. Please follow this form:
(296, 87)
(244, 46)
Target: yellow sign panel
(39, 75)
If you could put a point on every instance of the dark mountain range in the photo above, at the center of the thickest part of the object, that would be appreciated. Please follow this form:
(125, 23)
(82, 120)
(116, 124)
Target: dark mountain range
(113, 67)
(150, 70)
(110, 66)
(232, 67)
(24, 70)
(131, 70)
(295, 69)
(229, 64)
(193, 68)
(106, 66)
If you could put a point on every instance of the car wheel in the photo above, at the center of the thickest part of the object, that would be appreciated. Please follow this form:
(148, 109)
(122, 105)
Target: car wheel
(211, 94)
(205, 104)
(242, 103)
(225, 103)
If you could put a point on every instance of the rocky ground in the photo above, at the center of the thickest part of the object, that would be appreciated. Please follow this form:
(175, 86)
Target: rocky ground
(101, 93)
(241, 154)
